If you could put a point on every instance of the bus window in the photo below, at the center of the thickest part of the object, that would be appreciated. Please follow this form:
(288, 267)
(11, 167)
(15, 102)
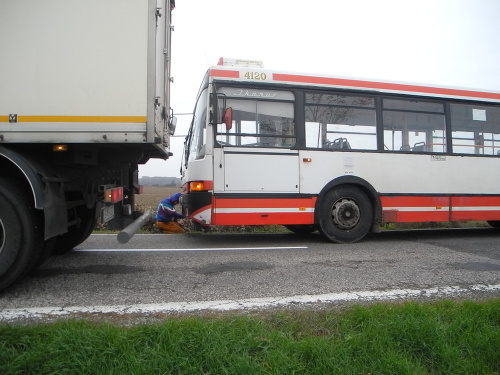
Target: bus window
(258, 123)
(475, 129)
(340, 122)
(415, 126)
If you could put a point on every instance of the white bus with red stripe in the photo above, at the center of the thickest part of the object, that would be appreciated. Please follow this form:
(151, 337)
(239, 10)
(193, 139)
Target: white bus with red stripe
(339, 155)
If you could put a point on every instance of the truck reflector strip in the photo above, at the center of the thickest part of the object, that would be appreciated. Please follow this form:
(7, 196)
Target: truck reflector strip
(89, 119)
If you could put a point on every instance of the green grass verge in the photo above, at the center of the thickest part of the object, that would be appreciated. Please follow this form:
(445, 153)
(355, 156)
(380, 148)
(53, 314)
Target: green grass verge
(410, 338)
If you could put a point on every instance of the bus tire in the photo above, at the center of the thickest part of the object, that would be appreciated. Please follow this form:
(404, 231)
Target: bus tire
(21, 232)
(345, 214)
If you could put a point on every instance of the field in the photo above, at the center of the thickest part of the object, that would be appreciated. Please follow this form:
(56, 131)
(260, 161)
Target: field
(152, 196)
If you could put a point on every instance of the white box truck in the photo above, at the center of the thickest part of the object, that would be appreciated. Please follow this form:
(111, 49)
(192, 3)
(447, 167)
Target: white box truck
(84, 99)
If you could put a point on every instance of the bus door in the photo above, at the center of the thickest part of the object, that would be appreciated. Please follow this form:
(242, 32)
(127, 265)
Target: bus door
(260, 170)
(256, 171)
(256, 141)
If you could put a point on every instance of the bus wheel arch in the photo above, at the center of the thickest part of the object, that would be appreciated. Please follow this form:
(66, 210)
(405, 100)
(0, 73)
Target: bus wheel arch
(347, 209)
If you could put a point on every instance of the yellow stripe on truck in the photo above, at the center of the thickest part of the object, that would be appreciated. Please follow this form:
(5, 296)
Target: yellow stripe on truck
(96, 119)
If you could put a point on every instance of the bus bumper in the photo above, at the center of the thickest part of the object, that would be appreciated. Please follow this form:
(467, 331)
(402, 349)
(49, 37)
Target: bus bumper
(197, 206)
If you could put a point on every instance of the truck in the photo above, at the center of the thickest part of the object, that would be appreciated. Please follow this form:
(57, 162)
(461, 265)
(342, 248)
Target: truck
(84, 99)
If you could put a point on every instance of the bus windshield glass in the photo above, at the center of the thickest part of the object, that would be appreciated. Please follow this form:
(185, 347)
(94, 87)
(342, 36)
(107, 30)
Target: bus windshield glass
(196, 140)
(261, 118)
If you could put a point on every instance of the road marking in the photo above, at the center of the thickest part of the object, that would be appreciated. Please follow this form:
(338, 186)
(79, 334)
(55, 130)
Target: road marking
(196, 249)
(7, 315)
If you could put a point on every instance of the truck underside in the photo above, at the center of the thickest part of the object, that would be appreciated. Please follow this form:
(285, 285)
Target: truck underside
(61, 194)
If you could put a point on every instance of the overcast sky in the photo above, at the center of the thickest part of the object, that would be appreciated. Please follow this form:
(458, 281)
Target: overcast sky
(444, 42)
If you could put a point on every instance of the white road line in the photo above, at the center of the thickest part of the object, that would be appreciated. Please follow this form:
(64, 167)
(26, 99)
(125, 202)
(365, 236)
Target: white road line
(7, 315)
(196, 249)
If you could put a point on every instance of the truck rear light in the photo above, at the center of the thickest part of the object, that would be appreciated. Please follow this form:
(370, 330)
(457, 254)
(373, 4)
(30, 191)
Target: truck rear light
(113, 195)
(139, 189)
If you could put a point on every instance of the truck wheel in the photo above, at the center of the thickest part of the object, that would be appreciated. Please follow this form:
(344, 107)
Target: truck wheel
(77, 233)
(21, 232)
(345, 214)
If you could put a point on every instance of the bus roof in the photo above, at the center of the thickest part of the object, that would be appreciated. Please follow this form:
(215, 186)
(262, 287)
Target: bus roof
(255, 74)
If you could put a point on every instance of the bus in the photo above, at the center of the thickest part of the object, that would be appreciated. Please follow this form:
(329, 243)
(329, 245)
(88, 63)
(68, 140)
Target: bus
(339, 155)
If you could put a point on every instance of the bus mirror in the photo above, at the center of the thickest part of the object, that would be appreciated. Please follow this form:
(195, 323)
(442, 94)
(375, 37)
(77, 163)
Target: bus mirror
(228, 118)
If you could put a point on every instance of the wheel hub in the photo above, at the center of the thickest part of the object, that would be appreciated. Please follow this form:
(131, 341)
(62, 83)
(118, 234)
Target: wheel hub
(345, 214)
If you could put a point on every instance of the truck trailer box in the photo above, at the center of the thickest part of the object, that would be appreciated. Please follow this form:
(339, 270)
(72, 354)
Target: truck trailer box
(84, 100)
(93, 71)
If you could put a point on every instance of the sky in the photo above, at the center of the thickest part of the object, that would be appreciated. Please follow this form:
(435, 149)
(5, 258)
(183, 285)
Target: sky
(440, 42)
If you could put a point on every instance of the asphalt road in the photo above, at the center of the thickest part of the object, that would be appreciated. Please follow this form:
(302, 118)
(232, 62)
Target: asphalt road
(197, 271)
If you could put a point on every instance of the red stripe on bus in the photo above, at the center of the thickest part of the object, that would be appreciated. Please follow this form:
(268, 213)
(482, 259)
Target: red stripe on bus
(384, 86)
(224, 73)
(263, 218)
(264, 202)
(414, 201)
(475, 201)
(394, 216)
(268, 218)
(456, 208)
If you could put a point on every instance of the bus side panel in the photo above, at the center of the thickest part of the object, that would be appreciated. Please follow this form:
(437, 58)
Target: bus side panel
(475, 208)
(401, 209)
(263, 211)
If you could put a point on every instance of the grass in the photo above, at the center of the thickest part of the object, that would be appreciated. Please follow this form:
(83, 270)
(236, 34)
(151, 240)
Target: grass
(411, 338)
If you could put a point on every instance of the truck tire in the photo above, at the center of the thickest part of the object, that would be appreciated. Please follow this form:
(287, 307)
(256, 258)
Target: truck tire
(345, 214)
(77, 233)
(21, 232)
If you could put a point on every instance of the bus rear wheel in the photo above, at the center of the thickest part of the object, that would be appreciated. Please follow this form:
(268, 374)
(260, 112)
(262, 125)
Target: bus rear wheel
(345, 214)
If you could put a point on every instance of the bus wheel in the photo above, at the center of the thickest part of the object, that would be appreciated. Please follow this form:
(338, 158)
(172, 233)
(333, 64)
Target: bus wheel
(494, 223)
(345, 215)
(302, 229)
(21, 232)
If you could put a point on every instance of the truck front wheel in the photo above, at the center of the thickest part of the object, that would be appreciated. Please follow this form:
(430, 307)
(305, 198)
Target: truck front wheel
(21, 232)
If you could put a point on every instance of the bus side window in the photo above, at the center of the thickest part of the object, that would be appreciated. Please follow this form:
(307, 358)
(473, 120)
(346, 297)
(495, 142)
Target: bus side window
(418, 123)
(419, 147)
(332, 118)
(475, 129)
